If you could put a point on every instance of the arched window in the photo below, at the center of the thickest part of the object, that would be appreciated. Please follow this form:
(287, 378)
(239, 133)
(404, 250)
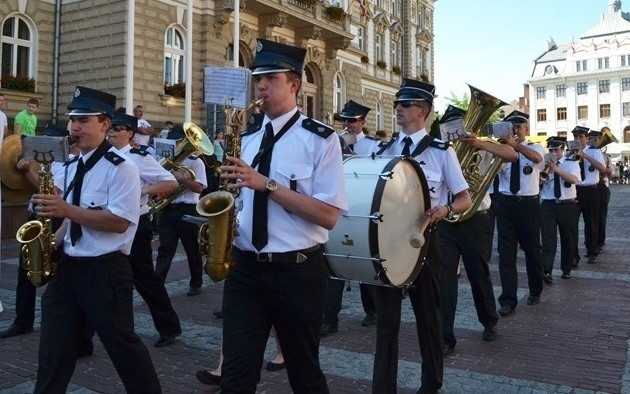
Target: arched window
(338, 93)
(17, 47)
(379, 116)
(174, 54)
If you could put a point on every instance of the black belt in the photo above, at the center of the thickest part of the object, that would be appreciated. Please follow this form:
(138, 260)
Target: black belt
(586, 186)
(297, 256)
(519, 198)
(91, 259)
(567, 201)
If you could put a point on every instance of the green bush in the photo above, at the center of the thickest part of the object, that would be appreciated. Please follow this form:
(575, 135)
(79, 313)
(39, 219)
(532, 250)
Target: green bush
(176, 90)
(17, 82)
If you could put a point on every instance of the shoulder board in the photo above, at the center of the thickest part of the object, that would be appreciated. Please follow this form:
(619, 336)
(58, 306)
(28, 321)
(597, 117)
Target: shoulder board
(438, 144)
(193, 157)
(318, 128)
(140, 152)
(593, 147)
(382, 147)
(71, 160)
(531, 143)
(114, 158)
(570, 159)
(369, 137)
(254, 124)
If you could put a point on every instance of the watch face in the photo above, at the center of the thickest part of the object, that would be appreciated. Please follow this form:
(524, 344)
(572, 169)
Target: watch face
(272, 185)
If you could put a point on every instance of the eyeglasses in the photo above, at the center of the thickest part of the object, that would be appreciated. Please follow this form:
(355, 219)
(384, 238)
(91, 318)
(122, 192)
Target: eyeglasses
(120, 127)
(351, 120)
(406, 104)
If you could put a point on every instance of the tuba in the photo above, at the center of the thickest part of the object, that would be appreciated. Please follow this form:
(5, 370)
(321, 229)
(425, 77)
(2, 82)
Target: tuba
(478, 166)
(195, 140)
(217, 234)
(606, 138)
(37, 237)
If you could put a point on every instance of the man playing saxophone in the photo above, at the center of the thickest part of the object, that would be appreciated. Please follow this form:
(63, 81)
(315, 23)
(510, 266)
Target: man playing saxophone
(172, 228)
(93, 282)
(290, 177)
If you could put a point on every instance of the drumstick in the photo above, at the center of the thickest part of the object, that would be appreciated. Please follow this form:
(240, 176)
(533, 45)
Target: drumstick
(416, 240)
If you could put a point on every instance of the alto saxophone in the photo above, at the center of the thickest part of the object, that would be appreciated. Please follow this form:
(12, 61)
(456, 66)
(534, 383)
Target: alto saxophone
(37, 237)
(217, 234)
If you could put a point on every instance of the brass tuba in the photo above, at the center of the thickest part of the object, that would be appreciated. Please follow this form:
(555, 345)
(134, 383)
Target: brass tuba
(479, 167)
(606, 138)
(37, 237)
(195, 140)
(217, 234)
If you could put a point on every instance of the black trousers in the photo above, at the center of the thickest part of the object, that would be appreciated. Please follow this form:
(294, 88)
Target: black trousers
(99, 291)
(148, 284)
(518, 221)
(562, 217)
(25, 297)
(472, 241)
(588, 199)
(172, 229)
(334, 295)
(424, 295)
(289, 296)
(604, 199)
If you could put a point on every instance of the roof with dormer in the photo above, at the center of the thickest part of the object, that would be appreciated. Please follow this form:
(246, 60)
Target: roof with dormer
(611, 23)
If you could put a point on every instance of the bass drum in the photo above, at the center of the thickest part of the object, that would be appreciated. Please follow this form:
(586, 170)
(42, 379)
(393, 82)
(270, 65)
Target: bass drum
(381, 239)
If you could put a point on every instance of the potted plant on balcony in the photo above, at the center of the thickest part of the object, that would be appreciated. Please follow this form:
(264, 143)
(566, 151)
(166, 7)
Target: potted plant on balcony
(365, 59)
(21, 83)
(335, 13)
(396, 70)
(177, 90)
(307, 2)
(381, 64)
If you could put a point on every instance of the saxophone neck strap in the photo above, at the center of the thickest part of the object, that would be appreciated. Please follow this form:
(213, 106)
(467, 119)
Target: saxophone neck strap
(265, 149)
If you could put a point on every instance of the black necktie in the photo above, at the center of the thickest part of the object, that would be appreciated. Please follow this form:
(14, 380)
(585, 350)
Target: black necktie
(495, 184)
(406, 151)
(556, 186)
(582, 173)
(515, 177)
(75, 228)
(259, 224)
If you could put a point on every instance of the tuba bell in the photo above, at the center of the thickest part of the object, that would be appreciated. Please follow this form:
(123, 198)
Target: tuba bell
(195, 140)
(479, 167)
(606, 138)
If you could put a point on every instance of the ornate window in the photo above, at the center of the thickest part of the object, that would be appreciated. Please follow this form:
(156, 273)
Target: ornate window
(18, 43)
(379, 116)
(338, 93)
(174, 55)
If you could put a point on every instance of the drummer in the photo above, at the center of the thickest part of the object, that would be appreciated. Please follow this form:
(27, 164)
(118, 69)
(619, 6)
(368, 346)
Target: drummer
(413, 105)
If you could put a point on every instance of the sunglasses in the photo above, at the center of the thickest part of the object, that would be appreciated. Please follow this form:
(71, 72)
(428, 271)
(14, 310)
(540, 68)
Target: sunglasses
(406, 104)
(351, 120)
(120, 127)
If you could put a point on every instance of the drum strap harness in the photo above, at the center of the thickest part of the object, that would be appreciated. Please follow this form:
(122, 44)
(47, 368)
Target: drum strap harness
(422, 146)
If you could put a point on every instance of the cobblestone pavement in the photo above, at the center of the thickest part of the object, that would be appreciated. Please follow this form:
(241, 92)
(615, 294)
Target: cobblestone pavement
(575, 341)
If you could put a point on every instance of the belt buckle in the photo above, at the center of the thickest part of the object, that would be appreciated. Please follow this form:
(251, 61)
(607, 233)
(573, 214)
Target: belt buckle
(264, 257)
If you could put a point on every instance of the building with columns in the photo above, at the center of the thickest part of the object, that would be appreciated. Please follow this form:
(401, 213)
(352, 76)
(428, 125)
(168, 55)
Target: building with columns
(586, 81)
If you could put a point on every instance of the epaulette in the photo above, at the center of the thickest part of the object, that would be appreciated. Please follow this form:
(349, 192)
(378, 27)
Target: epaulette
(71, 160)
(435, 143)
(570, 159)
(593, 147)
(531, 143)
(382, 147)
(254, 124)
(369, 137)
(141, 152)
(193, 157)
(114, 158)
(318, 128)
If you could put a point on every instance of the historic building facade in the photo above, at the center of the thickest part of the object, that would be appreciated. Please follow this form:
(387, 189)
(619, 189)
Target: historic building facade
(585, 82)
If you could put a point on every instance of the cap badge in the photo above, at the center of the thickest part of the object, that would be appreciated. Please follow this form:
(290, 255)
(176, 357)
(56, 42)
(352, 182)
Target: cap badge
(77, 92)
(259, 46)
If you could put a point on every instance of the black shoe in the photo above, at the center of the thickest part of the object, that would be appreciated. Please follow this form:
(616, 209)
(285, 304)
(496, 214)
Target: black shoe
(533, 300)
(205, 377)
(218, 314)
(547, 278)
(369, 320)
(166, 340)
(566, 275)
(506, 310)
(328, 329)
(14, 330)
(591, 260)
(489, 334)
(273, 367)
(193, 291)
(448, 349)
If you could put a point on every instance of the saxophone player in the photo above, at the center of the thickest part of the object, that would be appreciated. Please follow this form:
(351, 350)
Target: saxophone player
(172, 228)
(93, 282)
(470, 240)
(292, 194)
(559, 210)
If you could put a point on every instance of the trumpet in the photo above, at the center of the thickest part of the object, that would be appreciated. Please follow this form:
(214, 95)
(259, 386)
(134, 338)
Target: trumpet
(544, 174)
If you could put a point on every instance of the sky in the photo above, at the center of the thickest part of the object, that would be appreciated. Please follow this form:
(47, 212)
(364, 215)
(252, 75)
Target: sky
(491, 44)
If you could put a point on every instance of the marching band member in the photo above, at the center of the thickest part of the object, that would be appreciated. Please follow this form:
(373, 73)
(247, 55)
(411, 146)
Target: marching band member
(518, 216)
(292, 191)
(154, 179)
(413, 104)
(604, 199)
(353, 116)
(559, 210)
(470, 240)
(94, 282)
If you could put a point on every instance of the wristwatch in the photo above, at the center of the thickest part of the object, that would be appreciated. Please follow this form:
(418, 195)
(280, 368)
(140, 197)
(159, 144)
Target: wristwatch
(271, 186)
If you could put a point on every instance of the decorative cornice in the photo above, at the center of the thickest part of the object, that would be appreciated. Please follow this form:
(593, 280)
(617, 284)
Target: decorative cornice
(332, 46)
(269, 22)
(307, 33)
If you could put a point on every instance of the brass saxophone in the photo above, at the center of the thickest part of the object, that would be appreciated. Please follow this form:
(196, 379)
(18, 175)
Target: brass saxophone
(217, 234)
(37, 237)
